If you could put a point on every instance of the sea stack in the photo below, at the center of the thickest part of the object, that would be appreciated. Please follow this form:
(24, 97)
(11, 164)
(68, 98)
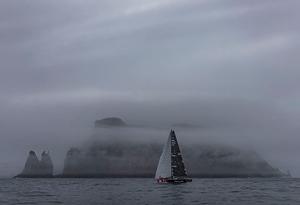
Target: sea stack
(32, 165)
(72, 164)
(46, 165)
(35, 168)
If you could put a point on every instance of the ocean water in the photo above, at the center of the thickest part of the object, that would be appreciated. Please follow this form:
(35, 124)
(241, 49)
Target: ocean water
(145, 191)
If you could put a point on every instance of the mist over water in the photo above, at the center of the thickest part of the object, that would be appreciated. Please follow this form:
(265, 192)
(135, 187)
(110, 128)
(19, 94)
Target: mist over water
(194, 123)
(226, 72)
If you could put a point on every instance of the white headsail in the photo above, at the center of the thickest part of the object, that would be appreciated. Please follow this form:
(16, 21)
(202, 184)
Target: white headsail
(164, 165)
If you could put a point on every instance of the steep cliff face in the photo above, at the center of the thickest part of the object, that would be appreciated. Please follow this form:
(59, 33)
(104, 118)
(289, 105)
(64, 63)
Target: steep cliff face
(128, 159)
(73, 162)
(222, 161)
(36, 168)
(125, 153)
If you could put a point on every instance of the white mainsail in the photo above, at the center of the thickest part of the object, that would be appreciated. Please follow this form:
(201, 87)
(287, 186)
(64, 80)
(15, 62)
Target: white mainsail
(164, 165)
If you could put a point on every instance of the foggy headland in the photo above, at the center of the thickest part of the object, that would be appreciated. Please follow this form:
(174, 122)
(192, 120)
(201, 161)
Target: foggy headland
(117, 149)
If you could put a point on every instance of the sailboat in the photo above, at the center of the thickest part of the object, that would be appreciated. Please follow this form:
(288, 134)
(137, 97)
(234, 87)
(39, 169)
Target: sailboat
(171, 167)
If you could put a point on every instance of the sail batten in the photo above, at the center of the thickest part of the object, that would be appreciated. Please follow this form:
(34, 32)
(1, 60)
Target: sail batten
(178, 168)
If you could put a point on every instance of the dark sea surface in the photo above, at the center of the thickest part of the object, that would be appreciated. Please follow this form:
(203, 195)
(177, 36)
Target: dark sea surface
(145, 191)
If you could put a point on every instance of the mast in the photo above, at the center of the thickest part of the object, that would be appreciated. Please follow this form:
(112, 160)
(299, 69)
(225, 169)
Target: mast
(177, 165)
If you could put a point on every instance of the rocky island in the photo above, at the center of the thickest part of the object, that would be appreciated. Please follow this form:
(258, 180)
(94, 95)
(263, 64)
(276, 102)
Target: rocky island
(123, 157)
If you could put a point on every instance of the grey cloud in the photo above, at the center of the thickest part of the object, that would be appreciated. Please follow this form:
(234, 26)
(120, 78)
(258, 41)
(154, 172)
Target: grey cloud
(228, 66)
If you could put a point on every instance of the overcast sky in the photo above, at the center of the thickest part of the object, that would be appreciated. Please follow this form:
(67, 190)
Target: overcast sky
(231, 67)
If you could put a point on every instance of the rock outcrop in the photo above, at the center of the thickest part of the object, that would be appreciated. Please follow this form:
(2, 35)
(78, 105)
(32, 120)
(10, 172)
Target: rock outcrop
(72, 162)
(110, 122)
(46, 165)
(37, 168)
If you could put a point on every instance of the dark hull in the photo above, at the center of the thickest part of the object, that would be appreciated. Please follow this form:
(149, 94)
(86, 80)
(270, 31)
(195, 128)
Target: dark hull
(173, 181)
(179, 181)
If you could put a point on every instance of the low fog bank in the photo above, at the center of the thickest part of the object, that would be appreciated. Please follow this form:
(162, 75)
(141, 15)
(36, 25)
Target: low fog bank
(261, 127)
(244, 125)
(119, 151)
